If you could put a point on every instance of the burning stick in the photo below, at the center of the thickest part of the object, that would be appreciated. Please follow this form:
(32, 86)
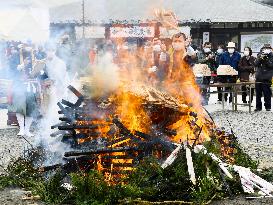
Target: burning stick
(73, 127)
(195, 141)
(99, 151)
(168, 145)
(78, 94)
(65, 119)
(124, 130)
(66, 112)
(119, 141)
(75, 91)
(59, 124)
(59, 132)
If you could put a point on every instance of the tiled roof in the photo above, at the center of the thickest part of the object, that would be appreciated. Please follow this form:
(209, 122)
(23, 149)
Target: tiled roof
(105, 11)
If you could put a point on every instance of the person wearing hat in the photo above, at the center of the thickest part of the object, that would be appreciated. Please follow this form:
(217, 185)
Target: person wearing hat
(230, 57)
(264, 73)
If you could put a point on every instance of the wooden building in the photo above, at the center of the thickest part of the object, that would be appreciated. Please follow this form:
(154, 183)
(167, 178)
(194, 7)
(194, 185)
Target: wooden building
(245, 22)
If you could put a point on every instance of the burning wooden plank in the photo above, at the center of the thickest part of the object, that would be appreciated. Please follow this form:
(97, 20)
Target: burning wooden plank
(99, 151)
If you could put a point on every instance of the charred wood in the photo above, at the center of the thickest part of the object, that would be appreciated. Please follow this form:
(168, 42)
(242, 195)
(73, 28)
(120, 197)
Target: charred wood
(61, 132)
(99, 151)
(73, 127)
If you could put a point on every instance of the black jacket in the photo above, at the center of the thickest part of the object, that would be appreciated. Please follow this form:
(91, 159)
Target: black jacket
(264, 66)
(245, 67)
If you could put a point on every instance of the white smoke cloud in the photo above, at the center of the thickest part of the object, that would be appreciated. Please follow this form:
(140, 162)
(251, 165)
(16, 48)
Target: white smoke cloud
(105, 76)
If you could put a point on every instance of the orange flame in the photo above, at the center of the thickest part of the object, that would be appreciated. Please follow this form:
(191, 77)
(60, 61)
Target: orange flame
(129, 107)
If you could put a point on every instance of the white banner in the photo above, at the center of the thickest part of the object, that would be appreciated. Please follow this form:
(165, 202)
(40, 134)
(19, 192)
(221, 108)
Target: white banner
(90, 32)
(135, 31)
(205, 37)
(168, 33)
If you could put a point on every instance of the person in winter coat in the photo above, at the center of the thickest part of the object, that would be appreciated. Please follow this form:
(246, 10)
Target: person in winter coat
(245, 68)
(219, 52)
(264, 73)
(24, 98)
(13, 61)
(206, 56)
(230, 57)
(164, 62)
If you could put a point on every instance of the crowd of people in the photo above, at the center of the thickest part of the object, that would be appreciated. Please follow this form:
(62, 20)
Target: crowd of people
(35, 69)
(249, 68)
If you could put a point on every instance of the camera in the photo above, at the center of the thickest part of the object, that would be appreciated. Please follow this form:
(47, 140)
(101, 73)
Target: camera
(265, 53)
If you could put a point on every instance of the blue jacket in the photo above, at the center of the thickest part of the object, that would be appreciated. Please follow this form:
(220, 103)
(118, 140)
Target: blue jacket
(233, 61)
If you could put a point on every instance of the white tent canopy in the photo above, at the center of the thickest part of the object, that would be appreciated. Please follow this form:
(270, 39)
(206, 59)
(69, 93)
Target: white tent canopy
(34, 3)
(23, 24)
(27, 19)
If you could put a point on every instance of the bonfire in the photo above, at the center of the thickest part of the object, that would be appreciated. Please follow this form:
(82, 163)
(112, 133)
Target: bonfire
(112, 128)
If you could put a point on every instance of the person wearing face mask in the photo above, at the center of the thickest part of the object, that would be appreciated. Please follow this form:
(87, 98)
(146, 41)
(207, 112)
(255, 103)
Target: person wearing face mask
(206, 57)
(180, 50)
(177, 53)
(246, 67)
(230, 57)
(164, 62)
(264, 73)
(147, 58)
(219, 52)
(202, 56)
(191, 54)
(156, 51)
(13, 61)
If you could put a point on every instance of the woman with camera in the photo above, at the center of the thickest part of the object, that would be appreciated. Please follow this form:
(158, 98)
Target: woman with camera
(264, 66)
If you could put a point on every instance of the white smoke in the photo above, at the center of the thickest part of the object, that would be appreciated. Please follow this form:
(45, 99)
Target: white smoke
(104, 77)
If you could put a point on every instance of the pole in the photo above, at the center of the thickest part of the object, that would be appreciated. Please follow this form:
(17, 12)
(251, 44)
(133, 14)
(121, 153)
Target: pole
(83, 19)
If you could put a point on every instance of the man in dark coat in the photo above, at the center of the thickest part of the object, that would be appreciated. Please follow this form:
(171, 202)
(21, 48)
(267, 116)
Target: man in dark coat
(264, 65)
(246, 67)
(207, 57)
(232, 58)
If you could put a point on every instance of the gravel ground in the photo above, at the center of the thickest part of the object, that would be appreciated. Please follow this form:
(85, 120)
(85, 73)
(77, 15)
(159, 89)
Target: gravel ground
(13, 196)
(254, 132)
(12, 146)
